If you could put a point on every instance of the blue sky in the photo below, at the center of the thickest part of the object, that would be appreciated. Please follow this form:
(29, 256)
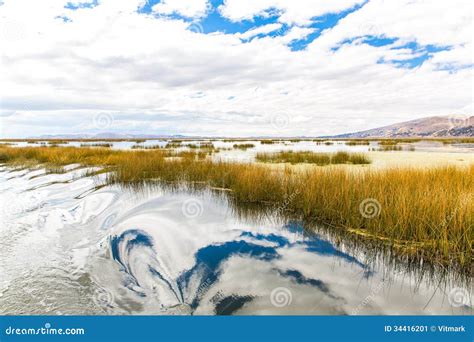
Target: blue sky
(231, 67)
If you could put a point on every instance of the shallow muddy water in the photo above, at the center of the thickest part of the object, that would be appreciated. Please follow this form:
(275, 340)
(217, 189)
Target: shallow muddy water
(71, 247)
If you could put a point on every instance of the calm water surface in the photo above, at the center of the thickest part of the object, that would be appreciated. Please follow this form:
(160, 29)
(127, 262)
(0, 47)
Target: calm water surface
(230, 154)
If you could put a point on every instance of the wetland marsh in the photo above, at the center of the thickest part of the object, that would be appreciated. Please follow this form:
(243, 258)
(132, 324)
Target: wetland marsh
(211, 230)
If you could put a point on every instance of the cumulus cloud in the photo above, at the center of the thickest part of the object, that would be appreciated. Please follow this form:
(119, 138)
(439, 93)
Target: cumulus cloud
(296, 33)
(427, 22)
(186, 8)
(265, 29)
(62, 64)
(291, 12)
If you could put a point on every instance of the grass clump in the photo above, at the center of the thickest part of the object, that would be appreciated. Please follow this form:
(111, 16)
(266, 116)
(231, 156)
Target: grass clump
(97, 145)
(388, 142)
(203, 145)
(145, 147)
(57, 142)
(312, 158)
(267, 142)
(386, 148)
(457, 141)
(174, 145)
(357, 142)
(243, 146)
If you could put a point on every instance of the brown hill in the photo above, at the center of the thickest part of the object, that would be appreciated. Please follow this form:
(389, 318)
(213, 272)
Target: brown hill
(435, 126)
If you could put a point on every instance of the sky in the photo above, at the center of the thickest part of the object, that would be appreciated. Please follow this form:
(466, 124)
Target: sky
(231, 67)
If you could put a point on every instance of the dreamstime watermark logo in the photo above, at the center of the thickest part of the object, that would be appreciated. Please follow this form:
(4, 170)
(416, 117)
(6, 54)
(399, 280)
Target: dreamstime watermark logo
(13, 208)
(205, 287)
(103, 120)
(192, 208)
(195, 27)
(102, 297)
(22, 110)
(374, 292)
(13, 31)
(369, 298)
(107, 26)
(18, 205)
(458, 297)
(370, 208)
(280, 121)
(286, 203)
(282, 30)
(369, 27)
(46, 330)
(455, 121)
(281, 297)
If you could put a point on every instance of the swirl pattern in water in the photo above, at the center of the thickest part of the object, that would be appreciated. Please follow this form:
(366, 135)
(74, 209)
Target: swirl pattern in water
(70, 247)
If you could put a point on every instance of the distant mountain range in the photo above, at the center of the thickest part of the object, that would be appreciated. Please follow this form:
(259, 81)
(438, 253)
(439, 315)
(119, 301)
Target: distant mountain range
(109, 135)
(434, 126)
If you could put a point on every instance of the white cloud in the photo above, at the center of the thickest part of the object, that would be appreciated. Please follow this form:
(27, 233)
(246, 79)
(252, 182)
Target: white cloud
(292, 12)
(155, 75)
(186, 8)
(265, 29)
(426, 22)
(296, 33)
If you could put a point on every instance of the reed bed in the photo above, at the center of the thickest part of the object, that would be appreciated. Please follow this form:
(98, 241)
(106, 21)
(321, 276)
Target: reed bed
(357, 142)
(409, 140)
(145, 147)
(386, 148)
(58, 142)
(174, 144)
(243, 146)
(424, 213)
(312, 158)
(203, 145)
(447, 140)
(98, 144)
(323, 142)
(388, 142)
(268, 142)
(457, 141)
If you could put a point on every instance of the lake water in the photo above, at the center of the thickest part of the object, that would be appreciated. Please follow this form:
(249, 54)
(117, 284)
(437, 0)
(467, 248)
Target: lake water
(228, 153)
(69, 246)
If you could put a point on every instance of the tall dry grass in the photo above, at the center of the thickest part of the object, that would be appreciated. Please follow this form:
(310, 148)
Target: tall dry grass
(357, 142)
(268, 142)
(387, 148)
(425, 212)
(98, 144)
(317, 158)
(243, 146)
